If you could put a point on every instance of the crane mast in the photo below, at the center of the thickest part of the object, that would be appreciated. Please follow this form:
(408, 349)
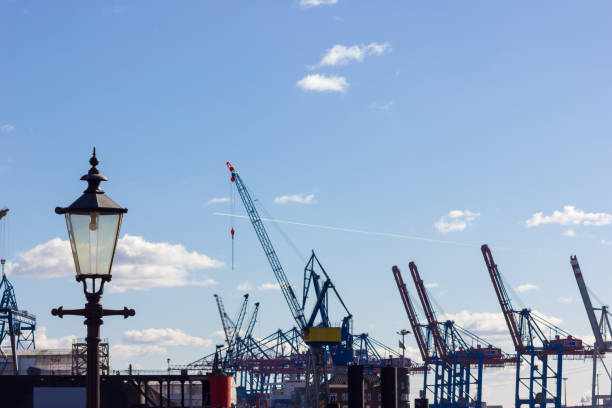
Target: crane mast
(240, 319)
(503, 298)
(252, 321)
(586, 300)
(410, 311)
(264, 239)
(429, 312)
(223, 315)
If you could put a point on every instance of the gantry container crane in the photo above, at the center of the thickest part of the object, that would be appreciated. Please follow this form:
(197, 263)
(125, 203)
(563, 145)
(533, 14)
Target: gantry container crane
(421, 332)
(317, 337)
(534, 348)
(600, 328)
(231, 330)
(18, 325)
(452, 376)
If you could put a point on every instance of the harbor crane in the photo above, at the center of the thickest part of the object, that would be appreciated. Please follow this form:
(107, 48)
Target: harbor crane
(319, 337)
(15, 324)
(601, 327)
(421, 331)
(231, 330)
(458, 350)
(543, 383)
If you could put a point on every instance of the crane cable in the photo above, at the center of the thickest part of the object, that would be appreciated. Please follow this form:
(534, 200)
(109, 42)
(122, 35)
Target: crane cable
(4, 227)
(232, 210)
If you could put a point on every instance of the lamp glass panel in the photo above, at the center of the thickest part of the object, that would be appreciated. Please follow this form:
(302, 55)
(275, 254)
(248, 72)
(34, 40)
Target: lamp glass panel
(93, 238)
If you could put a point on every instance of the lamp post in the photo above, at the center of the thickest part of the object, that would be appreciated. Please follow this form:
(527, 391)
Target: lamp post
(403, 333)
(93, 223)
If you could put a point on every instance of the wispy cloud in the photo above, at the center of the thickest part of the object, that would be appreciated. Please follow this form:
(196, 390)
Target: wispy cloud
(244, 286)
(569, 233)
(269, 286)
(455, 220)
(323, 83)
(296, 198)
(127, 351)
(139, 264)
(526, 287)
(569, 216)
(44, 342)
(342, 55)
(431, 285)
(217, 200)
(316, 3)
(115, 10)
(606, 242)
(7, 128)
(566, 299)
(382, 106)
(164, 337)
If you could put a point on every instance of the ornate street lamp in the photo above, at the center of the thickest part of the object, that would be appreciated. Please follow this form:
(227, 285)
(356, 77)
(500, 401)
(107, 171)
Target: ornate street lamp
(93, 222)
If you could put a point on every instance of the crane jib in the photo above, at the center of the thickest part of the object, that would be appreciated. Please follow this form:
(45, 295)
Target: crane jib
(269, 251)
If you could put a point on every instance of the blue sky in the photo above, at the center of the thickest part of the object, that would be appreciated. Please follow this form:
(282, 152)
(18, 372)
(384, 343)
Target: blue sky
(390, 114)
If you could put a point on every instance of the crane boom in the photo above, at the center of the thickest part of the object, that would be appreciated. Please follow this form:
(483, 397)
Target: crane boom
(252, 321)
(586, 300)
(222, 314)
(264, 239)
(503, 298)
(414, 323)
(240, 319)
(429, 311)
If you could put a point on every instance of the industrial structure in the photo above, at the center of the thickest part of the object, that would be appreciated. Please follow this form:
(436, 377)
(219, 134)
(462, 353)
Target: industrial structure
(308, 364)
(322, 338)
(543, 356)
(457, 357)
(16, 325)
(602, 331)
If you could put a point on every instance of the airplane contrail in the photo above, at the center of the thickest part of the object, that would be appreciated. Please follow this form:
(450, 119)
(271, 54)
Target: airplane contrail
(383, 234)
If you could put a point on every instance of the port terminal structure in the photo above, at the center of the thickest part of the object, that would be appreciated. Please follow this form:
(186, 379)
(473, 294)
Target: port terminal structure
(15, 324)
(454, 354)
(323, 339)
(312, 350)
(542, 355)
(602, 330)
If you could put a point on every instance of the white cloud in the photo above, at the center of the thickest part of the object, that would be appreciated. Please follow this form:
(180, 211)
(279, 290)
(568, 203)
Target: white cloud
(7, 128)
(431, 285)
(342, 55)
(48, 260)
(296, 198)
(526, 287)
(115, 10)
(244, 286)
(606, 242)
(382, 106)
(127, 351)
(269, 286)
(479, 322)
(566, 299)
(44, 342)
(323, 83)
(456, 220)
(217, 200)
(219, 335)
(139, 264)
(569, 233)
(492, 326)
(164, 337)
(315, 3)
(569, 216)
